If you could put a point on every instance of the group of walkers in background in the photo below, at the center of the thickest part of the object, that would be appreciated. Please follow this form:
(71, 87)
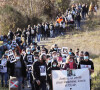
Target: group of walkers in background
(26, 51)
(71, 18)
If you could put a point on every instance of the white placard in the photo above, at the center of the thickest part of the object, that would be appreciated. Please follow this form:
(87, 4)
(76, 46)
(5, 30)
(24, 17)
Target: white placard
(64, 50)
(11, 56)
(71, 80)
(29, 68)
(42, 70)
(63, 64)
(59, 50)
(29, 58)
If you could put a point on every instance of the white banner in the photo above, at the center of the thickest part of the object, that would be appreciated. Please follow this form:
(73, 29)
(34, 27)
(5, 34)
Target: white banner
(71, 80)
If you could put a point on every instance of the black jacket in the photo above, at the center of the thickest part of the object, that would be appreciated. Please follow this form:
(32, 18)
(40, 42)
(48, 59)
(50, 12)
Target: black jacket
(11, 68)
(78, 18)
(37, 71)
(87, 63)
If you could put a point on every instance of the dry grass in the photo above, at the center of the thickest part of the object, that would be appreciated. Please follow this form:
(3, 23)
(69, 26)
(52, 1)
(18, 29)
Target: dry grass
(87, 41)
(1, 43)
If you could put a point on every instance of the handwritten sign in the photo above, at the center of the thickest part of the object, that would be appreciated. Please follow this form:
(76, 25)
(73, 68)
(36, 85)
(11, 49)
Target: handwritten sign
(71, 80)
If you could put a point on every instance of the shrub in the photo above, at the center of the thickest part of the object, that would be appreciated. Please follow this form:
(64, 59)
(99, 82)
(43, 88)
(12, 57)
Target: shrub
(11, 19)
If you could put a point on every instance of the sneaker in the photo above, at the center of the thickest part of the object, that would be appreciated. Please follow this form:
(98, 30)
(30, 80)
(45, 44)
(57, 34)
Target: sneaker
(28, 84)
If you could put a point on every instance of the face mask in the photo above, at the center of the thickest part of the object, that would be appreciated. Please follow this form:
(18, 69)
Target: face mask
(35, 60)
(77, 56)
(28, 52)
(70, 53)
(49, 61)
(55, 48)
(32, 48)
(4, 58)
(86, 57)
(23, 52)
(7, 54)
(9, 42)
(17, 58)
(71, 60)
(12, 48)
(54, 65)
(23, 44)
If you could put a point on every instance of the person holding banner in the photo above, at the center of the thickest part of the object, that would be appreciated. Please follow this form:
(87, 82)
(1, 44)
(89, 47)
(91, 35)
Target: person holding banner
(70, 63)
(53, 67)
(87, 63)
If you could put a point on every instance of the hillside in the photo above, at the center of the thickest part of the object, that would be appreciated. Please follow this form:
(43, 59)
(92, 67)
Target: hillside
(87, 39)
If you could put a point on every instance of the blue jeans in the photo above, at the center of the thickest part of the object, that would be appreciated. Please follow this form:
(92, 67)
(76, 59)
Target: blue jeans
(83, 15)
(38, 37)
(4, 76)
(51, 33)
(78, 23)
(28, 76)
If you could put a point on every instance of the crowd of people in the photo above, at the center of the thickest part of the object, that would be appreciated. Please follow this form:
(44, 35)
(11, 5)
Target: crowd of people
(32, 63)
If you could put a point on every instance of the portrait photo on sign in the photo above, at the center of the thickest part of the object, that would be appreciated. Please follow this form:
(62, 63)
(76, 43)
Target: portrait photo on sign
(12, 58)
(42, 71)
(71, 73)
(59, 50)
(14, 42)
(29, 68)
(29, 58)
(65, 50)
